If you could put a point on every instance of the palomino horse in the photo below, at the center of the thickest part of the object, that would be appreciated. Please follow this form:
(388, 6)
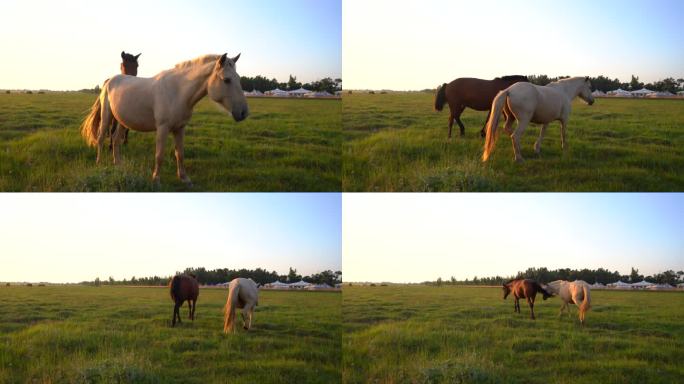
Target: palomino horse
(182, 288)
(471, 93)
(164, 103)
(576, 292)
(244, 294)
(525, 289)
(527, 103)
(129, 66)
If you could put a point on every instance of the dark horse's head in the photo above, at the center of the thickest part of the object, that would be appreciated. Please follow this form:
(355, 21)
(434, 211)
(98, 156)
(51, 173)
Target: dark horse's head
(544, 292)
(506, 290)
(129, 63)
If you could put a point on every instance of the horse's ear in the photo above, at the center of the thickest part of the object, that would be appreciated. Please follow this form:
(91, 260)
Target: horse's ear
(138, 55)
(235, 59)
(123, 55)
(222, 60)
(586, 78)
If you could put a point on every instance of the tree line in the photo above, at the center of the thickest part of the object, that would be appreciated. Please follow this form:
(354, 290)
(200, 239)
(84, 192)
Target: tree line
(605, 84)
(591, 276)
(263, 84)
(223, 275)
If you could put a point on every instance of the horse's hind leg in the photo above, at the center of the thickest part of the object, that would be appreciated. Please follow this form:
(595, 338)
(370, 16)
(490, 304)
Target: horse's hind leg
(115, 142)
(178, 136)
(105, 122)
(176, 314)
(483, 131)
(537, 144)
(451, 123)
(517, 136)
(112, 131)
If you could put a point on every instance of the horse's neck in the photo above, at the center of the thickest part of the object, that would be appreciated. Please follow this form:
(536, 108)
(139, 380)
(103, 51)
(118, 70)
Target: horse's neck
(570, 88)
(191, 83)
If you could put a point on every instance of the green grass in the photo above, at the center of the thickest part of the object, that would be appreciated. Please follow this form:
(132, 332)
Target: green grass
(285, 145)
(396, 142)
(419, 334)
(123, 335)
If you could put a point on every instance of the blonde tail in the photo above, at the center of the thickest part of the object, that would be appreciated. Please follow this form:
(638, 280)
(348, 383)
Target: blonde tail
(229, 313)
(490, 140)
(586, 303)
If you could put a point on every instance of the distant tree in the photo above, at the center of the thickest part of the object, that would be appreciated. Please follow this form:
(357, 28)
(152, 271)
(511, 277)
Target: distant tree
(439, 282)
(634, 276)
(635, 84)
(292, 276)
(7, 92)
(97, 282)
(293, 84)
(111, 280)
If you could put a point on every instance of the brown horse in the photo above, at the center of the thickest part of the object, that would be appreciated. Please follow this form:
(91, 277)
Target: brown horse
(129, 66)
(471, 93)
(182, 288)
(526, 289)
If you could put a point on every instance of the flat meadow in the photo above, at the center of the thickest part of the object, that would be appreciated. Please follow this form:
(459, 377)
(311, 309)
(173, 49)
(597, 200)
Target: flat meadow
(284, 145)
(397, 142)
(77, 334)
(452, 334)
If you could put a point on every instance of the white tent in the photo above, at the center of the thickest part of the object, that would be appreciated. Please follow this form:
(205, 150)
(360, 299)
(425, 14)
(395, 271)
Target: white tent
(642, 284)
(620, 285)
(278, 92)
(598, 93)
(620, 93)
(300, 284)
(641, 92)
(318, 286)
(318, 94)
(597, 285)
(254, 93)
(660, 94)
(680, 93)
(680, 285)
(660, 286)
(299, 92)
(277, 285)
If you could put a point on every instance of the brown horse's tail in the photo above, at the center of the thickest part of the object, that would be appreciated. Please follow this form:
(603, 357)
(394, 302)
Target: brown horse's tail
(174, 287)
(494, 114)
(586, 303)
(440, 97)
(229, 311)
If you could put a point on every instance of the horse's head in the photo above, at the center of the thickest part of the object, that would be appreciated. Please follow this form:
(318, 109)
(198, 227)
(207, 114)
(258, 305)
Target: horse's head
(585, 92)
(506, 291)
(129, 64)
(545, 291)
(225, 89)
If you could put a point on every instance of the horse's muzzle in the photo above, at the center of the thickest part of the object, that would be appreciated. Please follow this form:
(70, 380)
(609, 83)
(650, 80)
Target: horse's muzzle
(241, 114)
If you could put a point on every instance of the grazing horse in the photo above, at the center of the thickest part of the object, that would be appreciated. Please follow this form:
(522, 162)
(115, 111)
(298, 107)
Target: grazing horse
(577, 292)
(129, 66)
(182, 288)
(526, 289)
(163, 104)
(471, 93)
(527, 103)
(244, 294)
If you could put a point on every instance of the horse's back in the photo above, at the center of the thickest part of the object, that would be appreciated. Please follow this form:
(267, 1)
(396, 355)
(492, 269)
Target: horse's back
(471, 92)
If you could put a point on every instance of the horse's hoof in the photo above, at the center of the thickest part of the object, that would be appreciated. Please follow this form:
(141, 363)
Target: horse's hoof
(245, 328)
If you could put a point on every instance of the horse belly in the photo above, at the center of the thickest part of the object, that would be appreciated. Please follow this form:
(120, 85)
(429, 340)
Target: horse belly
(131, 105)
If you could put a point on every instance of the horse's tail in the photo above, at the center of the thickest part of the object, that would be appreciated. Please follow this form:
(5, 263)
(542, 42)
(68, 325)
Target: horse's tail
(440, 97)
(229, 312)
(494, 114)
(174, 287)
(586, 303)
(91, 124)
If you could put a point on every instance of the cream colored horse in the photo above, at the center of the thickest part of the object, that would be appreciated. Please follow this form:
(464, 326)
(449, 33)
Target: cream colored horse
(527, 103)
(576, 292)
(244, 294)
(164, 103)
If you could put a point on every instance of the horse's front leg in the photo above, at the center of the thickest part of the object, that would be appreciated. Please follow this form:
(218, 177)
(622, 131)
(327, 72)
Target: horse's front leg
(530, 302)
(162, 134)
(537, 144)
(564, 143)
(178, 136)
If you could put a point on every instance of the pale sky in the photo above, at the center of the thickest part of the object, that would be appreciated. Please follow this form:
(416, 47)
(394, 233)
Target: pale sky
(75, 44)
(417, 44)
(402, 238)
(77, 237)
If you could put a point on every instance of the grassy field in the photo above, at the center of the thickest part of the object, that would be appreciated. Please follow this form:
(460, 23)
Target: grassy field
(285, 145)
(123, 335)
(419, 334)
(396, 142)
